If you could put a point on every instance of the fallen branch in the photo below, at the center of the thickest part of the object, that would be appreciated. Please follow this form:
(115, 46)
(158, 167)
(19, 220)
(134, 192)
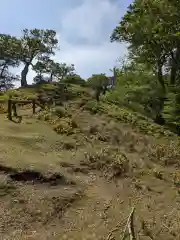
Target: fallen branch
(130, 226)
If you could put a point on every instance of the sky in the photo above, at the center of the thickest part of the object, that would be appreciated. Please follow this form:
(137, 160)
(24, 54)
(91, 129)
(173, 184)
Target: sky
(83, 28)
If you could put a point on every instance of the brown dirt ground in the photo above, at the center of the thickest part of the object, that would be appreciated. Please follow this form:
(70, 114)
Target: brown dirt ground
(83, 185)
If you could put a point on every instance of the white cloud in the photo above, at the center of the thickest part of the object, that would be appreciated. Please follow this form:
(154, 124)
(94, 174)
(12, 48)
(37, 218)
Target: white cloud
(84, 37)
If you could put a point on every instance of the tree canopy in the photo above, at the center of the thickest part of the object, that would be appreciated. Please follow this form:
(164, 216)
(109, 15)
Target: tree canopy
(98, 80)
(35, 49)
(151, 77)
(153, 34)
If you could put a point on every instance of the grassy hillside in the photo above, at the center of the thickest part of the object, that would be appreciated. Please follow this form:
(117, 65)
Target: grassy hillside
(76, 168)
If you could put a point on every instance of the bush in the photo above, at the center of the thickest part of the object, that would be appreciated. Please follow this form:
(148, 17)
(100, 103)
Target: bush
(111, 162)
(144, 123)
(45, 115)
(75, 79)
(65, 126)
(60, 111)
(94, 107)
(165, 154)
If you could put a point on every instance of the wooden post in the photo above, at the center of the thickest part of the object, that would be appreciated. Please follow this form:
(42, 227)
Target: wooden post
(114, 77)
(10, 109)
(34, 106)
(14, 109)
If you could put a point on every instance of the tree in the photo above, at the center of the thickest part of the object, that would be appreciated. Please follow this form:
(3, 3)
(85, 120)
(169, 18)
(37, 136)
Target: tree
(8, 52)
(35, 44)
(74, 79)
(8, 59)
(40, 69)
(65, 70)
(7, 80)
(152, 33)
(54, 69)
(99, 82)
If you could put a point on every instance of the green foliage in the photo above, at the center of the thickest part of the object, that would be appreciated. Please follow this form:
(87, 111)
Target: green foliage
(8, 58)
(145, 124)
(35, 45)
(137, 88)
(93, 107)
(60, 112)
(98, 81)
(54, 69)
(74, 79)
(149, 82)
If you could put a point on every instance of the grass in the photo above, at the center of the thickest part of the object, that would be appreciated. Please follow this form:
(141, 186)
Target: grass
(104, 160)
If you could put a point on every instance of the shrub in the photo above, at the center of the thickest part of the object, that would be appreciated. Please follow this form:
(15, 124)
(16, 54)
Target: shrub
(60, 111)
(111, 163)
(94, 107)
(166, 154)
(144, 123)
(74, 79)
(65, 126)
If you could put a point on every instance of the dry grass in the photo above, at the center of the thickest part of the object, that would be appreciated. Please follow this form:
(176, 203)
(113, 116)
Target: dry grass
(101, 165)
(110, 162)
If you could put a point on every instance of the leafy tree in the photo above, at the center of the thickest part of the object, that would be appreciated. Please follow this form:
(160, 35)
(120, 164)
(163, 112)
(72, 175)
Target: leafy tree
(40, 69)
(99, 82)
(152, 32)
(54, 69)
(8, 52)
(7, 80)
(74, 79)
(8, 59)
(64, 70)
(35, 44)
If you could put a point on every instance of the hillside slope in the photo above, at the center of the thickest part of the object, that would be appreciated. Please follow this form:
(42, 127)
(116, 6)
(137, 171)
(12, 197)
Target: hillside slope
(74, 171)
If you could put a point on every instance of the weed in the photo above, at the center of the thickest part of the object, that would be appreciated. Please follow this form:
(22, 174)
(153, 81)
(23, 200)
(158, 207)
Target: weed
(165, 154)
(111, 164)
(65, 126)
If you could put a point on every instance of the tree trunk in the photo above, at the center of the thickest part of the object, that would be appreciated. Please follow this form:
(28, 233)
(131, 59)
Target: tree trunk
(24, 75)
(159, 118)
(97, 93)
(174, 67)
(3, 69)
(51, 77)
(160, 77)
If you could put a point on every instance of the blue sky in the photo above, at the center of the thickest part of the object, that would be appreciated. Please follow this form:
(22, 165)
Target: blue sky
(83, 28)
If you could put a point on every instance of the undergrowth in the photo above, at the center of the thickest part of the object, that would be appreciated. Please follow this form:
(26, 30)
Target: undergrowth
(144, 124)
(111, 162)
